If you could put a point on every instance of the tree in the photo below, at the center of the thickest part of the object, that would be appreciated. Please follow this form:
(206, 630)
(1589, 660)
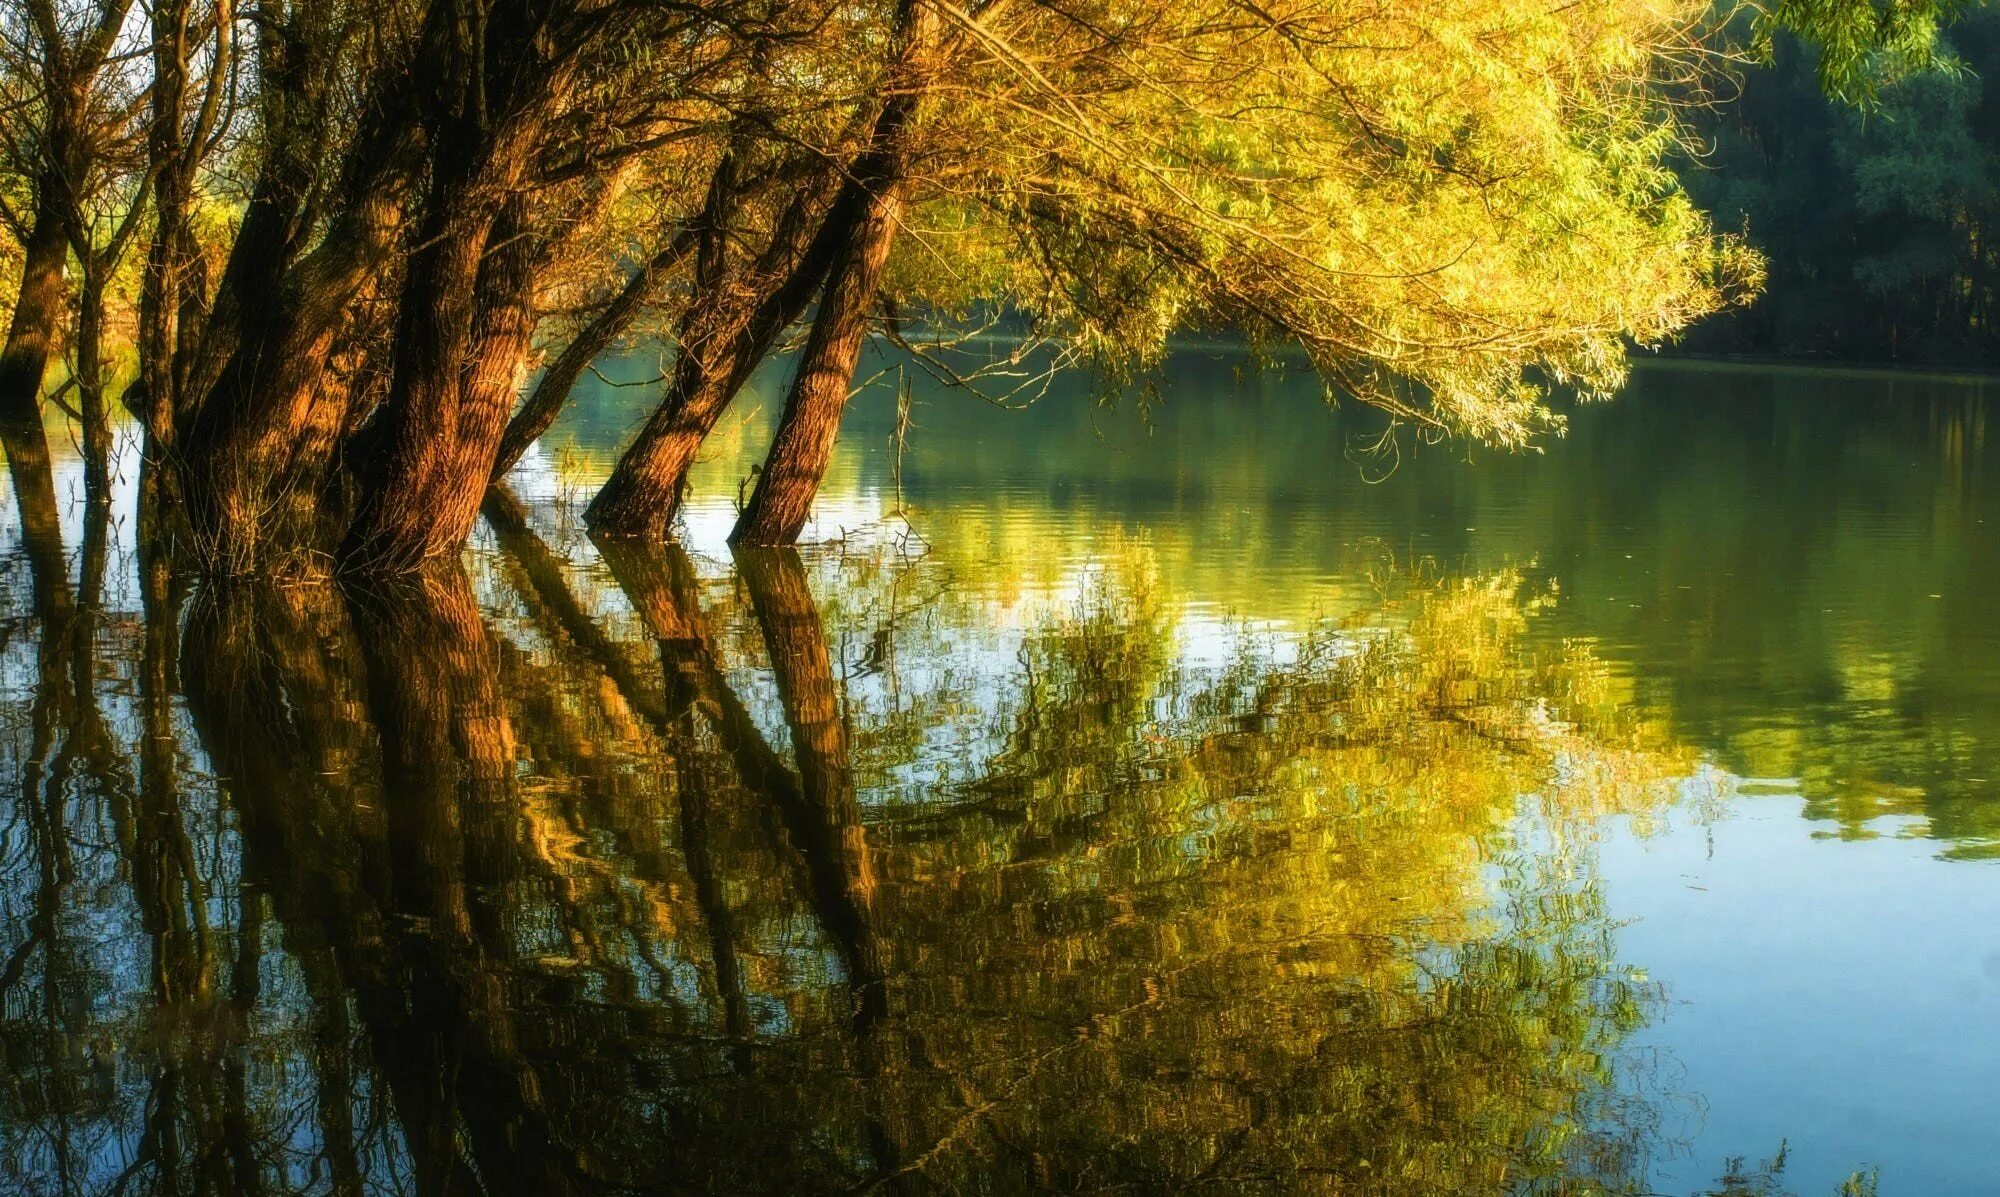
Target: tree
(1875, 220)
(1862, 44)
(1411, 218)
(59, 109)
(366, 210)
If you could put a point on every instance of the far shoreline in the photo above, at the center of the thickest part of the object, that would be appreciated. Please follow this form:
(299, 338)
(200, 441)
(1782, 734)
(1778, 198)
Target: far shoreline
(1728, 363)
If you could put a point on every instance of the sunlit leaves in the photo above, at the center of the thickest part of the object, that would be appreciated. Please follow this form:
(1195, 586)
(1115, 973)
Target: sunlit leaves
(1448, 206)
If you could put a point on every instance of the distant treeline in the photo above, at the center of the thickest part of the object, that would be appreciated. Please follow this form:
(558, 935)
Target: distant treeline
(1881, 223)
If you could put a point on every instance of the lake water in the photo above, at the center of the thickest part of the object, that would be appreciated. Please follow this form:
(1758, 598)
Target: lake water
(1177, 798)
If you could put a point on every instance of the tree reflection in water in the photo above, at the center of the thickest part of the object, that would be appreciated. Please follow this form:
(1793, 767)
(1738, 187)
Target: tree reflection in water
(589, 870)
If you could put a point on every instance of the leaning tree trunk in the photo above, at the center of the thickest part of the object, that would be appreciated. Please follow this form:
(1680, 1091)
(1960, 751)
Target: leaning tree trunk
(642, 496)
(863, 226)
(551, 392)
(796, 465)
(722, 341)
(23, 362)
(254, 403)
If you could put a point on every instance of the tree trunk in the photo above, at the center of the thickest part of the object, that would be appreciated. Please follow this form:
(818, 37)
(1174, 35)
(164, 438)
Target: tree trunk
(254, 396)
(96, 417)
(797, 462)
(157, 396)
(63, 147)
(173, 302)
(467, 317)
(863, 225)
(255, 446)
(38, 309)
(24, 360)
(552, 390)
(642, 496)
(722, 342)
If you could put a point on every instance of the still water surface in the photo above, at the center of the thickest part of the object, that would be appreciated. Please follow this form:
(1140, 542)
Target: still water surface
(1167, 801)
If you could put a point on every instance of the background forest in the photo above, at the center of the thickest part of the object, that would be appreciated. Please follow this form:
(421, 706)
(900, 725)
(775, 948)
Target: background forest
(1878, 222)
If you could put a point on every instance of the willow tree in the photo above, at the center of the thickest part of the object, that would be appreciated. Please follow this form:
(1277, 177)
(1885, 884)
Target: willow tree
(1438, 202)
(1861, 44)
(1450, 206)
(196, 68)
(413, 179)
(742, 305)
(781, 204)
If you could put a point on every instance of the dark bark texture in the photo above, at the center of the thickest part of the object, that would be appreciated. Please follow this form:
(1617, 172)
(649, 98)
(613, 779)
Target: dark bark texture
(23, 361)
(736, 320)
(859, 233)
(552, 390)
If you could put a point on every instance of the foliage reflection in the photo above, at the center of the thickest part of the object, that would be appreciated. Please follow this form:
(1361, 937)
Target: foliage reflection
(577, 871)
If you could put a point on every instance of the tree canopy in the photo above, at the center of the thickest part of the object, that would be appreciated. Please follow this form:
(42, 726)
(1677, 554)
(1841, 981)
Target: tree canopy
(365, 219)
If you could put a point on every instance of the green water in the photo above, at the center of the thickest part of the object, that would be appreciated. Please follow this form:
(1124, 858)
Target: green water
(1168, 800)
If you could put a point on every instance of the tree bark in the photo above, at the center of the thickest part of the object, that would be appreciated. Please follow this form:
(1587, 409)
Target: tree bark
(552, 390)
(466, 310)
(64, 154)
(23, 362)
(796, 465)
(173, 297)
(91, 406)
(864, 220)
(725, 336)
(466, 323)
(255, 396)
(257, 388)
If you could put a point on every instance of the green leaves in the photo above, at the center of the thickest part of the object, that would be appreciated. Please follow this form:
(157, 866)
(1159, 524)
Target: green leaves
(1451, 206)
(1864, 44)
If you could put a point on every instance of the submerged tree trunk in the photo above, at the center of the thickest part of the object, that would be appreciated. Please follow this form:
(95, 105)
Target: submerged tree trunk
(722, 340)
(863, 226)
(23, 362)
(258, 427)
(551, 392)
(256, 405)
(173, 295)
(91, 406)
(796, 464)
(467, 317)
